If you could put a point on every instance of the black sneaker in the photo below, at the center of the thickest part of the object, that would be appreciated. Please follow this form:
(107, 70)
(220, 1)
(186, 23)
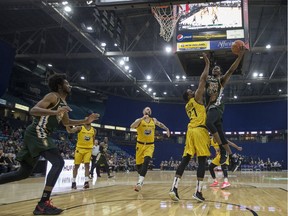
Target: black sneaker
(236, 165)
(86, 185)
(110, 176)
(174, 195)
(198, 196)
(46, 208)
(74, 185)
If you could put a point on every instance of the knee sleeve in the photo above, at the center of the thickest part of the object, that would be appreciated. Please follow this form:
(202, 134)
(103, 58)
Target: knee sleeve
(182, 165)
(201, 166)
(54, 157)
(138, 168)
(211, 169)
(145, 166)
(224, 168)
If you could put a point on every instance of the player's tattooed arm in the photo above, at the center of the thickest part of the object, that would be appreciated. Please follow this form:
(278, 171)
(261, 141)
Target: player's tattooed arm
(161, 125)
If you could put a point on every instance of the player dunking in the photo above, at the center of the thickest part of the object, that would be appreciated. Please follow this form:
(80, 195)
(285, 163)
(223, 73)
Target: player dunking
(48, 113)
(145, 127)
(83, 151)
(197, 137)
(214, 88)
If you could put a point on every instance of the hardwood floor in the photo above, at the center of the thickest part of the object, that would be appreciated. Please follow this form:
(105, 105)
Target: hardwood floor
(250, 193)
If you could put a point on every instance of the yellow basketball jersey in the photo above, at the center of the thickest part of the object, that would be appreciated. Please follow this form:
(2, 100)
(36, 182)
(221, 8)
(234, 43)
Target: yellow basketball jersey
(146, 131)
(196, 113)
(85, 138)
(214, 144)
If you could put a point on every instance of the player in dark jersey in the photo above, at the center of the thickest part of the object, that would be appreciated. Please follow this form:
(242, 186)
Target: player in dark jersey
(47, 114)
(214, 88)
(101, 158)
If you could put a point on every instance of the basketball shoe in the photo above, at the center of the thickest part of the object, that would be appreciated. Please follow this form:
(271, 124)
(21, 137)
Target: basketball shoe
(86, 185)
(74, 185)
(138, 187)
(225, 185)
(214, 184)
(236, 165)
(174, 195)
(46, 208)
(198, 196)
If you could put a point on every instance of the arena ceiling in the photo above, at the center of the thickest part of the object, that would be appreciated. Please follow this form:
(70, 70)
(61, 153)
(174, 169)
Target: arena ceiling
(43, 33)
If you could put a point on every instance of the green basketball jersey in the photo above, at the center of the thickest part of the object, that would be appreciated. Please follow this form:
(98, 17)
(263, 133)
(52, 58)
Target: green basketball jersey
(214, 91)
(44, 125)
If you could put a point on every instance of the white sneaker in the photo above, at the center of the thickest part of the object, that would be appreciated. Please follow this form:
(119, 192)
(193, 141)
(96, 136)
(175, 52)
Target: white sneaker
(138, 187)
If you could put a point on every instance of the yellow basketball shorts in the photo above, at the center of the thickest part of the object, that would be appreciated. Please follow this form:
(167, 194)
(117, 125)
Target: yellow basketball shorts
(143, 151)
(82, 155)
(216, 160)
(197, 142)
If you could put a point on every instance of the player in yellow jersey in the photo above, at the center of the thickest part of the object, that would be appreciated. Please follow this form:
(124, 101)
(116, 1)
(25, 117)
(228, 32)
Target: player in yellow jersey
(216, 162)
(83, 151)
(145, 127)
(197, 137)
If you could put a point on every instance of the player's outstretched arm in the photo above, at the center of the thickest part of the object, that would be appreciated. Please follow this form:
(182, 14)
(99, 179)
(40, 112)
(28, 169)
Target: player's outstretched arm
(233, 67)
(73, 130)
(234, 145)
(161, 125)
(202, 82)
(71, 122)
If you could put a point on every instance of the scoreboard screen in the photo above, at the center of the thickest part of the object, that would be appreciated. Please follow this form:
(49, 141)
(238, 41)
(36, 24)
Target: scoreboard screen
(212, 25)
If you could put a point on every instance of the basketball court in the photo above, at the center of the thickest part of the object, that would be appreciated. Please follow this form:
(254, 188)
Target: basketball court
(250, 193)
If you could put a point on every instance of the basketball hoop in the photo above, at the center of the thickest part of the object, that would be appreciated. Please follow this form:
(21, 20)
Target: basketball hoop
(167, 17)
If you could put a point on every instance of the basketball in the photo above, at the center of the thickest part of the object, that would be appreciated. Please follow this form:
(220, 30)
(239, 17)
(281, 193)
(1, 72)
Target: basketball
(236, 46)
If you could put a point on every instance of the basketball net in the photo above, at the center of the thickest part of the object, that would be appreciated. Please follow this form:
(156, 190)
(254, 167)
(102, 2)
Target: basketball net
(167, 17)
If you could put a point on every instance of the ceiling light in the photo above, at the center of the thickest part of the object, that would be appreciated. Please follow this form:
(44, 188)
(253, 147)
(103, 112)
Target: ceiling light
(121, 62)
(115, 44)
(144, 86)
(49, 65)
(154, 93)
(192, 85)
(255, 74)
(126, 67)
(82, 78)
(201, 57)
(168, 49)
(177, 77)
(92, 92)
(137, 90)
(89, 28)
(67, 8)
(150, 89)
(176, 84)
(268, 46)
(165, 93)
(280, 90)
(130, 71)
(183, 77)
(103, 44)
(261, 75)
(89, 2)
(235, 96)
(64, 2)
(248, 83)
(148, 77)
